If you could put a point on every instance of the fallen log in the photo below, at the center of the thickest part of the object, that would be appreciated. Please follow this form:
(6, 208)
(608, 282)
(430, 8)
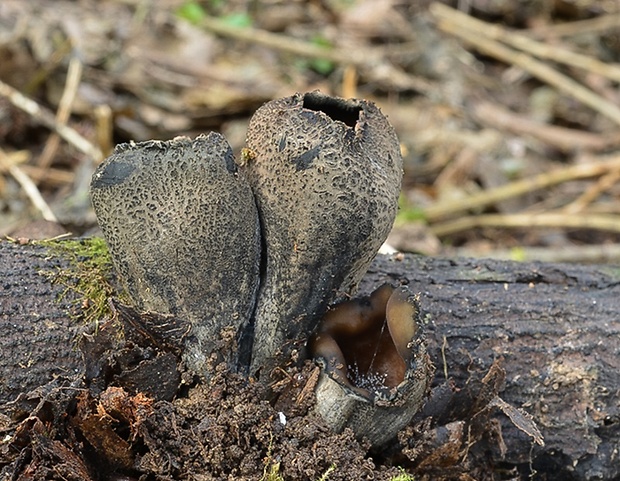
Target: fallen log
(553, 327)
(38, 329)
(556, 327)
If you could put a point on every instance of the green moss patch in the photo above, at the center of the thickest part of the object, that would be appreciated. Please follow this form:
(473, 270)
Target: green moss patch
(88, 273)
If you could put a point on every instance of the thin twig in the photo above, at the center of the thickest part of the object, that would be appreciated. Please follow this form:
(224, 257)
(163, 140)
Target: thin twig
(610, 223)
(53, 176)
(371, 61)
(47, 118)
(569, 29)
(30, 188)
(522, 42)
(603, 184)
(104, 127)
(349, 82)
(561, 138)
(597, 253)
(74, 75)
(288, 44)
(536, 68)
(520, 187)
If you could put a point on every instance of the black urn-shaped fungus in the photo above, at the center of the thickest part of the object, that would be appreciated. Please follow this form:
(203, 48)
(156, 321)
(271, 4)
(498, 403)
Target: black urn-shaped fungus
(375, 372)
(183, 231)
(326, 176)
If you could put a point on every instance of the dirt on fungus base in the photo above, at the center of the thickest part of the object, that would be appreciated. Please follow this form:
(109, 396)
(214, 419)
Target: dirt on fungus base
(218, 431)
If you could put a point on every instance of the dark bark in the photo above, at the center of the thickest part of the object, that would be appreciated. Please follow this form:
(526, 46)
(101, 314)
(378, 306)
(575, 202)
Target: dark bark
(554, 326)
(557, 328)
(38, 331)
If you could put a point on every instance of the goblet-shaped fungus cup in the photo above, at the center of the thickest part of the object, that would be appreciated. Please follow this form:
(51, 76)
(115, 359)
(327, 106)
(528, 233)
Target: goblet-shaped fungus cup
(183, 233)
(326, 176)
(375, 369)
(261, 247)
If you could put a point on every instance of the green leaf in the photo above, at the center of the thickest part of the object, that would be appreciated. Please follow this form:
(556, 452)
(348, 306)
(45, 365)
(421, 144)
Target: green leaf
(192, 12)
(409, 213)
(322, 66)
(518, 254)
(321, 41)
(237, 20)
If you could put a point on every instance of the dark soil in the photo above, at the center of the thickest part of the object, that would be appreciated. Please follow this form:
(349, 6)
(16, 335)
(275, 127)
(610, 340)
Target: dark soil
(136, 412)
(224, 429)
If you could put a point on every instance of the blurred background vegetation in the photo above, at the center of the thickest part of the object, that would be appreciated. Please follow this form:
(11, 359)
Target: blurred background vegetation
(508, 111)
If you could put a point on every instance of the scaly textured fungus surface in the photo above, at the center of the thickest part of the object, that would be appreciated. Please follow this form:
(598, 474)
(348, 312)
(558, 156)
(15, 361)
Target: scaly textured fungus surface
(326, 175)
(183, 232)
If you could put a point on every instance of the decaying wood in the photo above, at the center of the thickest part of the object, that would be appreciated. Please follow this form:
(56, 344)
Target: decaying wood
(554, 326)
(37, 331)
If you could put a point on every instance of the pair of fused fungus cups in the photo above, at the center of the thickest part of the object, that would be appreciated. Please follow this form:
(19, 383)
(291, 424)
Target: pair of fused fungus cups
(251, 252)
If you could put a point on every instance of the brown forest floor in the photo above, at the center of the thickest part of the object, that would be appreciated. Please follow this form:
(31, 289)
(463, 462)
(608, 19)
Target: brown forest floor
(508, 112)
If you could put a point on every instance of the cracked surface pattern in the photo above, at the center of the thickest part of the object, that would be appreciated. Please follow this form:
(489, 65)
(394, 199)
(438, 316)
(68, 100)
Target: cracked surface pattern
(182, 228)
(326, 175)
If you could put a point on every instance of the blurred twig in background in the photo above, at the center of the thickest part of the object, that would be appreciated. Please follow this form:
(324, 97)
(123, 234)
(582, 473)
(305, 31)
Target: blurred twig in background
(47, 118)
(10, 164)
(483, 36)
(579, 171)
(74, 75)
(371, 60)
(504, 125)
